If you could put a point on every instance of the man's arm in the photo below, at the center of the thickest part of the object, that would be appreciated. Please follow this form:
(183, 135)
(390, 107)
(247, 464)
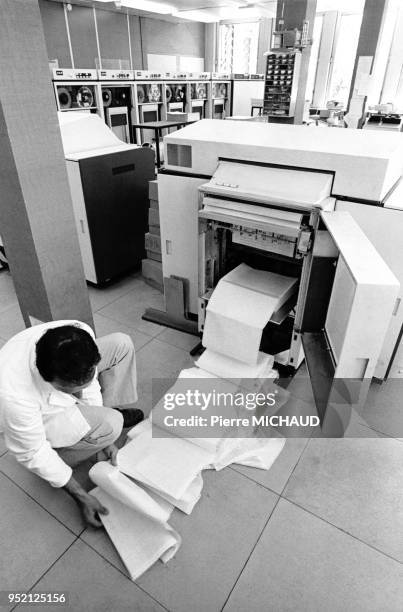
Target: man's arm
(89, 505)
(26, 439)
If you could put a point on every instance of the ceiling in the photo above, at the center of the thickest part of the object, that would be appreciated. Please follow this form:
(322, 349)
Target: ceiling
(210, 11)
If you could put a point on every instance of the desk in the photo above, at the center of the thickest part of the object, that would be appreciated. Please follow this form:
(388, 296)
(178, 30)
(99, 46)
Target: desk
(158, 126)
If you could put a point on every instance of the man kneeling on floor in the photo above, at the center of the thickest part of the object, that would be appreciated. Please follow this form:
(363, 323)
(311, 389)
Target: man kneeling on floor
(56, 381)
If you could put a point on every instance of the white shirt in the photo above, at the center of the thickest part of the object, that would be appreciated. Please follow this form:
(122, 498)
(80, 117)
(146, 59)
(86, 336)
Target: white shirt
(35, 416)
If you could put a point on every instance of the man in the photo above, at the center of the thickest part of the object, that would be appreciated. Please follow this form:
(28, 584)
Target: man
(55, 383)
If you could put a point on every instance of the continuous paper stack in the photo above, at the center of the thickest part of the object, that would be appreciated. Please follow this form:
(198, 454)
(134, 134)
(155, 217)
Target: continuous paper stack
(136, 522)
(169, 467)
(240, 307)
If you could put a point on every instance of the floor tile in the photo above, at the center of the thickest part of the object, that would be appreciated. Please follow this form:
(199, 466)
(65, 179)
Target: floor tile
(11, 322)
(355, 484)
(303, 564)
(300, 386)
(278, 475)
(158, 360)
(7, 292)
(56, 501)
(217, 539)
(129, 308)
(93, 585)
(179, 339)
(105, 325)
(383, 408)
(102, 296)
(31, 539)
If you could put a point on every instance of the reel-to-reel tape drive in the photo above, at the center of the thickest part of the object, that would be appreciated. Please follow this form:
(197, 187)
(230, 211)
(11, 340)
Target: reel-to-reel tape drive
(76, 96)
(149, 93)
(198, 91)
(116, 96)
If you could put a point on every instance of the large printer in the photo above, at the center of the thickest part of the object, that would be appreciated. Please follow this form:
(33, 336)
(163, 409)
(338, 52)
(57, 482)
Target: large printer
(296, 202)
(109, 188)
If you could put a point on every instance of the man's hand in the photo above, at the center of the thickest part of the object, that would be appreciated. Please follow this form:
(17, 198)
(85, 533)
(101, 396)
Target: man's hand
(91, 508)
(111, 453)
(89, 505)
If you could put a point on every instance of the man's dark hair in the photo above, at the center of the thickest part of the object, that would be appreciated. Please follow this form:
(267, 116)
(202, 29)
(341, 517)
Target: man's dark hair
(67, 352)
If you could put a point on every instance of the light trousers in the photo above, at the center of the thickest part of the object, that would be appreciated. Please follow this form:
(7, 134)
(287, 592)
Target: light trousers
(117, 377)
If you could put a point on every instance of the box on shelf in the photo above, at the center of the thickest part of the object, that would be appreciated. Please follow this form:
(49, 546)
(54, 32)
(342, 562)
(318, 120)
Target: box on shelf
(152, 273)
(153, 190)
(153, 216)
(153, 242)
(154, 255)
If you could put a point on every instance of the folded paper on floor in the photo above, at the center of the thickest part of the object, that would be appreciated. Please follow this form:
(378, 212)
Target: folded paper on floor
(136, 522)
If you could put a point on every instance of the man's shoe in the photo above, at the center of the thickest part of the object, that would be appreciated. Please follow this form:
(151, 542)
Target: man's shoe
(132, 416)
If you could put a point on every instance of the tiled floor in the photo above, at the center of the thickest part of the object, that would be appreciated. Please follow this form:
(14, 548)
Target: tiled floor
(321, 531)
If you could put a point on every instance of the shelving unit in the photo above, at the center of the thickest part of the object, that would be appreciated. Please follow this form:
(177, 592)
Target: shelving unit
(281, 82)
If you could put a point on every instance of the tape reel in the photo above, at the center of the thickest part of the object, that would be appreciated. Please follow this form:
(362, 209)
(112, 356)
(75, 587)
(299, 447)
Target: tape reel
(85, 98)
(64, 97)
(201, 91)
(223, 90)
(179, 94)
(120, 96)
(168, 93)
(141, 96)
(106, 97)
(154, 93)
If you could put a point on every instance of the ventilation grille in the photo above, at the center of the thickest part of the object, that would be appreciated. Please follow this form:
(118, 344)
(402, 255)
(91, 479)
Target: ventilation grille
(180, 155)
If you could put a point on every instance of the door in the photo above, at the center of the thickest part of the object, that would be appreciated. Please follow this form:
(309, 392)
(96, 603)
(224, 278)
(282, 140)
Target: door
(384, 228)
(343, 342)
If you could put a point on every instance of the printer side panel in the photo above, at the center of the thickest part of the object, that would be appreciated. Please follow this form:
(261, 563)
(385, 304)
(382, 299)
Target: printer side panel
(179, 203)
(384, 228)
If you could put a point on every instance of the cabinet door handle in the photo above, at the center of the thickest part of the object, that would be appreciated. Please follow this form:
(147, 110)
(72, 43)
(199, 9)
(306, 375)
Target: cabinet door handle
(168, 247)
(397, 306)
(82, 226)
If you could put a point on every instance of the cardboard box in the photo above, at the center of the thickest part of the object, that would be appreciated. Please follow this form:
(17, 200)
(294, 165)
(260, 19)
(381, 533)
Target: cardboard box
(153, 217)
(153, 190)
(155, 229)
(152, 273)
(152, 242)
(154, 255)
(154, 204)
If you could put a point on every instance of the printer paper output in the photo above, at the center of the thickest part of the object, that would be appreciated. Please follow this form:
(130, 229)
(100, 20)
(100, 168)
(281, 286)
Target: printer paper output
(240, 307)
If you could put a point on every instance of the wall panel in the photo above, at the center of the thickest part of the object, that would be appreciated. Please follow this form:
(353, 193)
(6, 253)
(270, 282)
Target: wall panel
(113, 35)
(54, 27)
(83, 37)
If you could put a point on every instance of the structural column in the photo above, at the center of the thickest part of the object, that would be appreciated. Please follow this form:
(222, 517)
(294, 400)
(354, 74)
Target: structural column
(371, 29)
(291, 14)
(36, 215)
